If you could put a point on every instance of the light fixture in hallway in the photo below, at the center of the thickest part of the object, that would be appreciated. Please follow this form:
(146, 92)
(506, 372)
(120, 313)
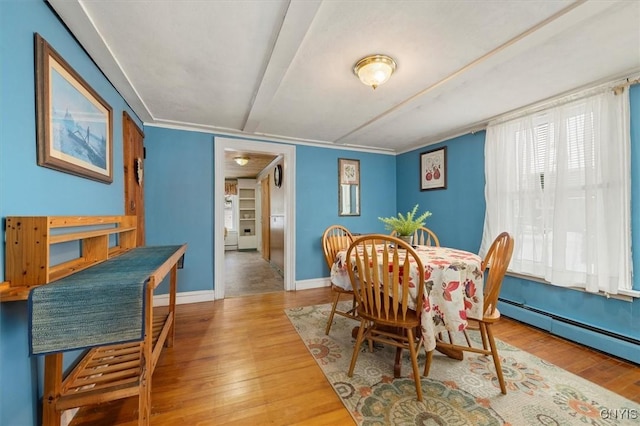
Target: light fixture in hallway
(242, 161)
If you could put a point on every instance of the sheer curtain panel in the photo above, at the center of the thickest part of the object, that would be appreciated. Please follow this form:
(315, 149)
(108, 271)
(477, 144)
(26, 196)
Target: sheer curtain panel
(559, 180)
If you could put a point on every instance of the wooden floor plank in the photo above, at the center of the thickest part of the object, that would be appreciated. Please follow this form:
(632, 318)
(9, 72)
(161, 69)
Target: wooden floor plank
(240, 361)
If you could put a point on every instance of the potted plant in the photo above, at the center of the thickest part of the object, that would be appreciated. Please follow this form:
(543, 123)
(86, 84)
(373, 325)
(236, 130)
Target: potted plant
(405, 226)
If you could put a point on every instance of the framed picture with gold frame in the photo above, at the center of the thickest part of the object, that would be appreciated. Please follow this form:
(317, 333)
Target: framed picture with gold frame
(74, 124)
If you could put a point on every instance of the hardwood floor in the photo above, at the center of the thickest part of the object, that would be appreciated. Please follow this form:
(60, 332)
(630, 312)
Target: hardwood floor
(239, 361)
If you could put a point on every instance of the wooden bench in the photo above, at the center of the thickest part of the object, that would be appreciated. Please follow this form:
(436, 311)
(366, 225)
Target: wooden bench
(105, 373)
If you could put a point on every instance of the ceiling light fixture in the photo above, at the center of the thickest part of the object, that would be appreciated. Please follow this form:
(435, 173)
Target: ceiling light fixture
(242, 161)
(374, 70)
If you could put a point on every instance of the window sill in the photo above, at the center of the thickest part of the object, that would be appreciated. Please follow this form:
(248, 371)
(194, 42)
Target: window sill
(626, 295)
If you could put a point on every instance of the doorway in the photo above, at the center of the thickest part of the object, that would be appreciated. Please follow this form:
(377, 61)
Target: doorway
(133, 158)
(288, 185)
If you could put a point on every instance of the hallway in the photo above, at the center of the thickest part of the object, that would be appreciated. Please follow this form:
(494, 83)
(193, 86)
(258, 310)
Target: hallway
(246, 272)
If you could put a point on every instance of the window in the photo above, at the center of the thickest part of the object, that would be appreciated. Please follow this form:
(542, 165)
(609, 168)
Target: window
(559, 181)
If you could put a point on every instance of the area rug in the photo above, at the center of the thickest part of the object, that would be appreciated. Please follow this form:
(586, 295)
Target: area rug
(456, 393)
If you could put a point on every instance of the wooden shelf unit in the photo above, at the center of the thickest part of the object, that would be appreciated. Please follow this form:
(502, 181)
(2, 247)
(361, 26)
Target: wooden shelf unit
(29, 240)
(105, 373)
(247, 239)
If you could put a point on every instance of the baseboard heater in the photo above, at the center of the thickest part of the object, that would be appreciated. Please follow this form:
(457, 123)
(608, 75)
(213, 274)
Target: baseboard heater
(572, 322)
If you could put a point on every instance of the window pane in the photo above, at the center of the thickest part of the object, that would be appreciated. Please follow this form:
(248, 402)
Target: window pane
(558, 181)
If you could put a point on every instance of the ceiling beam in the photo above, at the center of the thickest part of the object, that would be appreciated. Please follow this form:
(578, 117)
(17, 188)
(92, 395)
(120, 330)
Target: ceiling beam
(542, 30)
(296, 23)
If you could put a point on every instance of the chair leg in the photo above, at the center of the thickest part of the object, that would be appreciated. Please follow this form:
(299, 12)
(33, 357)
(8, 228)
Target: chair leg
(336, 299)
(496, 358)
(427, 363)
(353, 306)
(371, 325)
(483, 334)
(414, 363)
(356, 348)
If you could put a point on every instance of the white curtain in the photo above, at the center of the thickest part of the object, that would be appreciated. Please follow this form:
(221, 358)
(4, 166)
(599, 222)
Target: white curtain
(559, 180)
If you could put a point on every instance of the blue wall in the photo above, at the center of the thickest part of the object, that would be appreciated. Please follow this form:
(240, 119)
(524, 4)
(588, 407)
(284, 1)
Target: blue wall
(27, 189)
(179, 200)
(317, 201)
(458, 217)
(457, 211)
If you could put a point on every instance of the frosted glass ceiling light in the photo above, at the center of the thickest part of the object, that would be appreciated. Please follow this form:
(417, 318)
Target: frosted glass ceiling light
(374, 70)
(242, 161)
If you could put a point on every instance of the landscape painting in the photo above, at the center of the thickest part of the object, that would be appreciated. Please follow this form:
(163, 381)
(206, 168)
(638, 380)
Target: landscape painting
(74, 123)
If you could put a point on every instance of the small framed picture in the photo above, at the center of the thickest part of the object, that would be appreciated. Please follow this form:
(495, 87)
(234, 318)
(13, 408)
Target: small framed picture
(348, 187)
(433, 169)
(349, 171)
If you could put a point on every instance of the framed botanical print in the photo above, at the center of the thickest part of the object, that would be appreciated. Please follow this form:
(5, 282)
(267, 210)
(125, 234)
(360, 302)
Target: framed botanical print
(348, 187)
(433, 169)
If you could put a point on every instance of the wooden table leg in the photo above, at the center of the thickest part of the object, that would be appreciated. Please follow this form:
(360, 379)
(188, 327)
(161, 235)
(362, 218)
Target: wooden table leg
(52, 389)
(172, 305)
(146, 362)
(451, 353)
(397, 365)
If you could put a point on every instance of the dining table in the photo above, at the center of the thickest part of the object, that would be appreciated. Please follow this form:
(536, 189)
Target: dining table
(453, 287)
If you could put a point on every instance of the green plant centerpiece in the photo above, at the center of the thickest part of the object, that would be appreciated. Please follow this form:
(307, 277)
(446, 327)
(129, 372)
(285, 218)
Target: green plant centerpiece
(406, 225)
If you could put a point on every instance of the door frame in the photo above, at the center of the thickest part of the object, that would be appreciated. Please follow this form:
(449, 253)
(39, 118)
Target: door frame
(288, 185)
(133, 158)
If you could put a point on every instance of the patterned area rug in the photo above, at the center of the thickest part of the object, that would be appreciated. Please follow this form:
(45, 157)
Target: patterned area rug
(456, 392)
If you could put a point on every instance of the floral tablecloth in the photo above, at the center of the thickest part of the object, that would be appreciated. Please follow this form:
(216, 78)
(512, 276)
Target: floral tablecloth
(453, 289)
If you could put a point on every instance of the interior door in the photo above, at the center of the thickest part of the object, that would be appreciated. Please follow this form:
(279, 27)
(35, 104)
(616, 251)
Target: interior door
(265, 216)
(133, 143)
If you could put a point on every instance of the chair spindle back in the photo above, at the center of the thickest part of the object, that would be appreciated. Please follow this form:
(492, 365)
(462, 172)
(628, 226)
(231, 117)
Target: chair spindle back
(379, 268)
(423, 237)
(496, 260)
(334, 239)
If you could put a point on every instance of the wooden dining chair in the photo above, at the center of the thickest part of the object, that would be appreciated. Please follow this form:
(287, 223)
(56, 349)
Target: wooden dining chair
(423, 237)
(380, 271)
(334, 239)
(494, 266)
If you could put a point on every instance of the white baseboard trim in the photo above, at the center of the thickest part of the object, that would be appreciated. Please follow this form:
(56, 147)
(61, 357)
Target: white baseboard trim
(209, 295)
(313, 283)
(185, 297)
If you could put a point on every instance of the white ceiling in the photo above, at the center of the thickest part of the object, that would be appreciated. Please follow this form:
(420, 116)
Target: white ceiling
(283, 69)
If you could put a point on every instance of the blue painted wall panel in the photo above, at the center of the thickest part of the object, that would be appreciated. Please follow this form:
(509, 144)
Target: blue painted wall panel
(317, 201)
(457, 211)
(27, 189)
(179, 200)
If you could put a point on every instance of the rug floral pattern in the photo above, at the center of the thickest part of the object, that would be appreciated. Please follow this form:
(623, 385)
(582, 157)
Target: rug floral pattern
(456, 393)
